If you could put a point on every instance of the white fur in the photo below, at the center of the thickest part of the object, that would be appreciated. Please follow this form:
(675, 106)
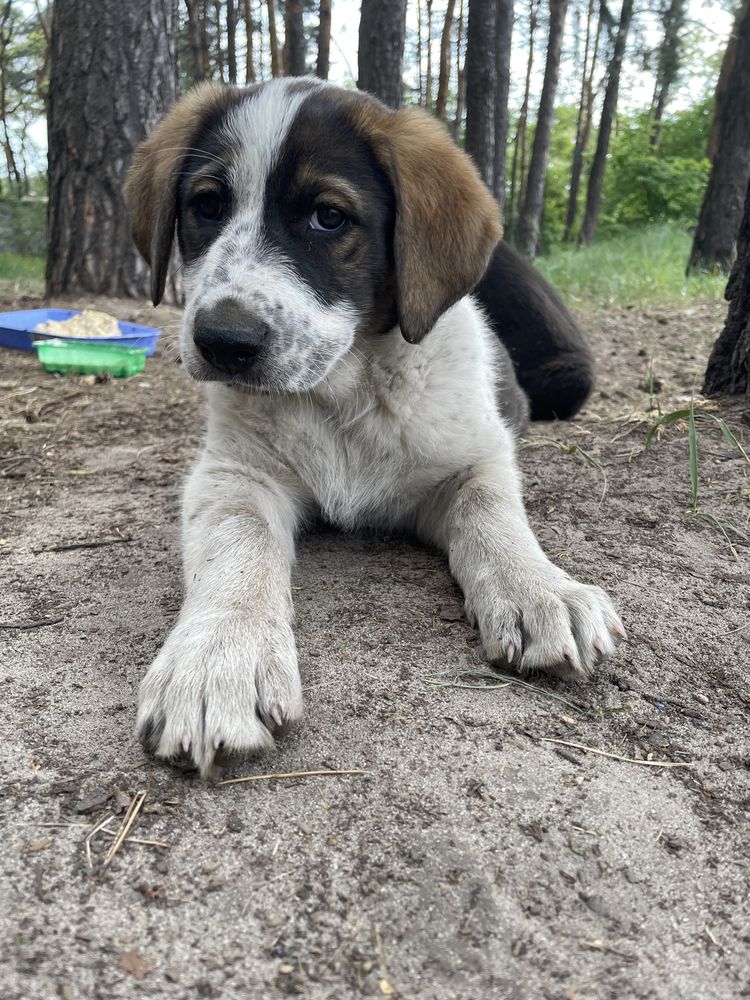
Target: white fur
(388, 435)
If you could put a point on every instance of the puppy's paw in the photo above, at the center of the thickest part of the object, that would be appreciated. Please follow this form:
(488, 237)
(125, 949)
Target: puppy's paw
(546, 622)
(219, 685)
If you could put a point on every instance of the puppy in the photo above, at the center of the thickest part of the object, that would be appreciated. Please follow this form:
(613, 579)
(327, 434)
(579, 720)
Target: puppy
(329, 247)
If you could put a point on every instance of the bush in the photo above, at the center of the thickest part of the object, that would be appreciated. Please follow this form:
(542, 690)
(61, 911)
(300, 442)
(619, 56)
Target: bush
(23, 227)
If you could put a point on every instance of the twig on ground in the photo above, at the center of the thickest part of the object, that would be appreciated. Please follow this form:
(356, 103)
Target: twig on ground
(97, 543)
(90, 835)
(127, 821)
(452, 679)
(100, 829)
(25, 626)
(617, 756)
(287, 774)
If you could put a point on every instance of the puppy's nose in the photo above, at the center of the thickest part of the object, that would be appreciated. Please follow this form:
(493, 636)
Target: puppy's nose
(228, 336)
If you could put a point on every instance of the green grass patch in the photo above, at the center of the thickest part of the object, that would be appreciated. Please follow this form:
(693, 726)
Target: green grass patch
(641, 266)
(15, 267)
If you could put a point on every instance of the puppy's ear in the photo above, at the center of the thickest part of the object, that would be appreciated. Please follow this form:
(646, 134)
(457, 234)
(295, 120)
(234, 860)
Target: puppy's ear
(151, 185)
(447, 222)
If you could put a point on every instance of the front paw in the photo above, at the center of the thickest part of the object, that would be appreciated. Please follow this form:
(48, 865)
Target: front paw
(546, 621)
(219, 684)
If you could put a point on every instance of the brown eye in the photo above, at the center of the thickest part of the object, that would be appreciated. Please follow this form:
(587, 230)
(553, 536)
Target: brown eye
(328, 219)
(208, 206)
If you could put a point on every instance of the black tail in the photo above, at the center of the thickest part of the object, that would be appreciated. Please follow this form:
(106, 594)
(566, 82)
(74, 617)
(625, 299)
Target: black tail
(552, 360)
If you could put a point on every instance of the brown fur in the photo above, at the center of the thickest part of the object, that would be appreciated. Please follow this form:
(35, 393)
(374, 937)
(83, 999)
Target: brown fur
(447, 222)
(151, 186)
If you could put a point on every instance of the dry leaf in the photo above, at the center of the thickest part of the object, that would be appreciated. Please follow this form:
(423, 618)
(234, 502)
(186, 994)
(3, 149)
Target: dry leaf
(38, 845)
(386, 989)
(136, 964)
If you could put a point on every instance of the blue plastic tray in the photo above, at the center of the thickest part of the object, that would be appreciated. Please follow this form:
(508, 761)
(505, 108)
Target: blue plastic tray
(17, 330)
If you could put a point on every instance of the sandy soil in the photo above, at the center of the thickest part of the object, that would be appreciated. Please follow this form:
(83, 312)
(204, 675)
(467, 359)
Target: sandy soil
(475, 859)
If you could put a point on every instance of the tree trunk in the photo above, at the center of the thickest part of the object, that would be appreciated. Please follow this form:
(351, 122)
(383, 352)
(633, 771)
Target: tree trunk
(250, 33)
(729, 363)
(444, 73)
(232, 41)
(481, 86)
(428, 79)
(503, 35)
(668, 66)
(294, 38)
(324, 40)
(382, 32)
(196, 33)
(715, 234)
(460, 75)
(273, 39)
(531, 211)
(585, 116)
(519, 143)
(113, 75)
(218, 39)
(609, 108)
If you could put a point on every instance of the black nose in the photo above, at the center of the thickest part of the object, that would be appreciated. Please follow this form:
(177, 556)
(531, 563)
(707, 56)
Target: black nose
(229, 336)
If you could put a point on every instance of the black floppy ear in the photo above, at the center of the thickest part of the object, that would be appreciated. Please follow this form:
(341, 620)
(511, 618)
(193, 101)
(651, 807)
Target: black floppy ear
(447, 222)
(151, 186)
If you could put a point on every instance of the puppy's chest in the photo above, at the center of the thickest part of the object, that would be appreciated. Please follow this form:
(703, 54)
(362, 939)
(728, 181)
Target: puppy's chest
(372, 463)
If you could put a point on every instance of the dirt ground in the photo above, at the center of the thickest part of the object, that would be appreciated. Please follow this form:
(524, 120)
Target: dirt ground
(475, 859)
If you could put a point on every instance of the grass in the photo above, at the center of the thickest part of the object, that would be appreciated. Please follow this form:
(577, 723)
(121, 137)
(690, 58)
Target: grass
(21, 275)
(642, 266)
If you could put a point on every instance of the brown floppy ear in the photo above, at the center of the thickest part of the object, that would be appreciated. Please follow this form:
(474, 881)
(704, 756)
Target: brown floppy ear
(151, 185)
(447, 222)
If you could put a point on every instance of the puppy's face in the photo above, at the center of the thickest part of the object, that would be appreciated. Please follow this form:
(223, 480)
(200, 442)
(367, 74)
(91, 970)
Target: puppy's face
(306, 217)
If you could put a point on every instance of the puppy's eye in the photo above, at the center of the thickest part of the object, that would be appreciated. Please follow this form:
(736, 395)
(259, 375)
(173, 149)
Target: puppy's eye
(208, 206)
(328, 219)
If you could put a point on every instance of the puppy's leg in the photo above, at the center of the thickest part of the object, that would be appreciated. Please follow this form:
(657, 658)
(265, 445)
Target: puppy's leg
(227, 673)
(530, 613)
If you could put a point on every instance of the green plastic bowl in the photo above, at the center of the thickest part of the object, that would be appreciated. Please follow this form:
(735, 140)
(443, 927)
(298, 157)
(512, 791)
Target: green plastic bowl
(88, 358)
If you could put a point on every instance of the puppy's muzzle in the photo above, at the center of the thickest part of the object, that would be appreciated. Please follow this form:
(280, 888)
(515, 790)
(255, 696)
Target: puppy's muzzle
(229, 337)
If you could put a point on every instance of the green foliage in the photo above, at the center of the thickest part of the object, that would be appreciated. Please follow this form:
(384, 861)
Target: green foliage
(23, 226)
(641, 265)
(22, 273)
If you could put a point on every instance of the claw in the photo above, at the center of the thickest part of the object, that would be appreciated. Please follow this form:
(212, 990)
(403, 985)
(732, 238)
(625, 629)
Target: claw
(617, 629)
(510, 652)
(568, 655)
(276, 715)
(185, 744)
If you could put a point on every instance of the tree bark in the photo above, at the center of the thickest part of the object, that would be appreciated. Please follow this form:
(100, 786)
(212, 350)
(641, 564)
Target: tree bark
(232, 41)
(481, 86)
(721, 212)
(609, 108)
(531, 211)
(113, 75)
(729, 363)
(585, 116)
(273, 39)
(324, 40)
(196, 35)
(294, 38)
(428, 78)
(668, 66)
(217, 39)
(444, 73)
(503, 36)
(250, 34)
(382, 32)
(519, 143)
(460, 75)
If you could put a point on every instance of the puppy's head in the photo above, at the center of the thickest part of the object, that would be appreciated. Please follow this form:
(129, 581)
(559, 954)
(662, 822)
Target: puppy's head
(306, 216)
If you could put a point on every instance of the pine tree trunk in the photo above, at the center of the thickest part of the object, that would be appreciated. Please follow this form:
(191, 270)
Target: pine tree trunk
(444, 73)
(113, 75)
(294, 38)
(250, 33)
(382, 32)
(481, 86)
(531, 211)
(273, 39)
(195, 37)
(721, 212)
(609, 108)
(585, 115)
(218, 40)
(428, 81)
(729, 365)
(519, 143)
(460, 75)
(324, 40)
(668, 66)
(503, 36)
(232, 41)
